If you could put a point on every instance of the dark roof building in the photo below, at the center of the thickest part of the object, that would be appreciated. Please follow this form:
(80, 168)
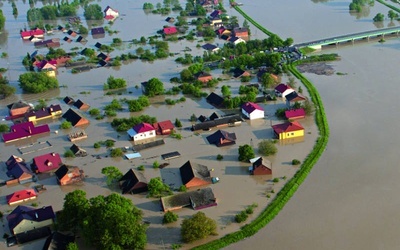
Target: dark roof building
(74, 118)
(198, 199)
(133, 183)
(69, 100)
(222, 138)
(259, 168)
(194, 175)
(78, 151)
(58, 241)
(81, 105)
(68, 175)
(23, 213)
(230, 120)
(215, 100)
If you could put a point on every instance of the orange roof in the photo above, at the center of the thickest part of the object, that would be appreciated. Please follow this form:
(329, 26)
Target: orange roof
(287, 127)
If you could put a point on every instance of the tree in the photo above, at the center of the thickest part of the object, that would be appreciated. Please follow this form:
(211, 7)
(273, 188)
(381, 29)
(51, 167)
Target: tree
(267, 147)
(392, 15)
(186, 75)
(116, 152)
(225, 90)
(2, 20)
(66, 125)
(74, 211)
(157, 188)
(178, 123)
(288, 42)
(170, 217)
(379, 17)
(83, 30)
(93, 12)
(72, 246)
(113, 222)
(246, 153)
(5, 88)
(4, 128)
(154, 87)
(115, 83)
(37, 82)
(69, 154)
(199, 226)
(267, 80)
(112, 173)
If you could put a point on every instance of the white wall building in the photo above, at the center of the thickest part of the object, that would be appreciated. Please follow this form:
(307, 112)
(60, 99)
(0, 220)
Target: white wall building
(252, 111)
(141, 131)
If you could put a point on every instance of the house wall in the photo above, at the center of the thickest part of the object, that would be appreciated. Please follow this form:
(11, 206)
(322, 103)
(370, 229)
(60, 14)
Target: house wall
(262, 171)
(140, 187)
(292, 134)
(256, 114)
(20, 201)
(26, 225)
(145, 135)
(166, 131)
(111, 12)
(195, 182)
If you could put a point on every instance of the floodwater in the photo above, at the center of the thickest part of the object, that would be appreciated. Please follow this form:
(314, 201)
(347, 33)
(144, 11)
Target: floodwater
(350, 199)
(335, 204)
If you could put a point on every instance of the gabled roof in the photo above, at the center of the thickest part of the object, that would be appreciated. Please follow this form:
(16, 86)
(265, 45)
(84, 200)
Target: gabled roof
(165, 125)
(201, 74)
(295, 113)
(13, 160)
(61, 171)
(34, 32)
(258, 164)
(47, 162)
(17, 170)
(69, 100)
(217, 122)
(294, 97)
(282, 87)
(249, 107)
(287, 127)
(238, 72)
(17, 105)
(240, 30)
(98, 45)
(170, 30)
(213, 116)
(20, 195)
(215, 99)
(221, 138)
(143, 127)
(215, 13)
(80, 105)
(191, 170)
(75, 149)
(102, 56)
(21, 213)
(24, 130)
(73, 117)
(130, 179)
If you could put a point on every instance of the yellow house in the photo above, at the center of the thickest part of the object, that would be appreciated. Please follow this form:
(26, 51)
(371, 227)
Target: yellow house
(49, 112)
(288, 130)
(23, 218)
(51, 73)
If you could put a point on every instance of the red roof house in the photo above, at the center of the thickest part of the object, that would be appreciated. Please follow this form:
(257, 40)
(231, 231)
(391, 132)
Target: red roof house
(170, 30)
(44, 64)
(35, 32)
(24, 130)
(288, 130)
(259, 168)
(294, 114)
(110, 14)
(252, 110)
(21, 196)
(283, 90)
(164, 127)
(47, 162)
(142, 131)
(203, 77)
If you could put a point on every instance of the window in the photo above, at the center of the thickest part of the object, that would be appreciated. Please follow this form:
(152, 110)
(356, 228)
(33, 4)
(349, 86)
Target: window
(292, 133)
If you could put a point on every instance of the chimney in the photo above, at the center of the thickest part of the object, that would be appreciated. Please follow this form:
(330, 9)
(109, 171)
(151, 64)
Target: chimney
(30, 130)
(36, 215)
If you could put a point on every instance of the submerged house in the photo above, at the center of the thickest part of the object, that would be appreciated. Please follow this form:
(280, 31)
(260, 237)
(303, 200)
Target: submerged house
(24, 130)
(78, 151)
(282, 90)
(75, 118)
(133, 183)
(288, 130)
(215, 100)
(46, 162)
(50, 112)
(225, 121)
(19, 108)
(194, 175)
(67, 175)
(252, 111)
(24, 219)
(18, 170)
(142, 131)
(21, 196)
(295, 114)
(164, 128)
(110, 14)
(203, 77)
(259, 168)
(222, 138)
(81, 105)
(197, 199)
(37, 33)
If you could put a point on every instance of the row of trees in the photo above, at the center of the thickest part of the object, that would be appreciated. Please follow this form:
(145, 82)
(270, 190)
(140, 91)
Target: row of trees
(51, 12)
(381, 17)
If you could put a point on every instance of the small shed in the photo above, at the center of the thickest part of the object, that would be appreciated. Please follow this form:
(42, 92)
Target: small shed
(78, 151)
(133, 182)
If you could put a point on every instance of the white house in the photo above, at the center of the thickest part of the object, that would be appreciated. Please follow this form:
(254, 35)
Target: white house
(110, 14)
(282, 90)
(236, 40)
(252, 111)
(142, 131)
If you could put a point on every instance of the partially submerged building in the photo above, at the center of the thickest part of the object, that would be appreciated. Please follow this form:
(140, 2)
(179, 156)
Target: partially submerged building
(195, 175)
(198, 199)
(133, 183)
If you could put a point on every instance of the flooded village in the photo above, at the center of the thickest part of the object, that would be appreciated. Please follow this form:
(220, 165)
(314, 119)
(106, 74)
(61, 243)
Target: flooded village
(59, 140)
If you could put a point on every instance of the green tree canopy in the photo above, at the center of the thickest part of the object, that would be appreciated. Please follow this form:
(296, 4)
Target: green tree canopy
(197, 227)
(154, 87)
(267, 147)
(115, 83)
(2, 20)
(93, 12)
(225, 90)
(37, 82)
(157, 188)
(74, 211)
(246, 153)
(112, 173)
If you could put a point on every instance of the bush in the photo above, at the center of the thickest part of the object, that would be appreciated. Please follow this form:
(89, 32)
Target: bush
(249, 210)
(94, 112)
(4, 128)
(275, 180)
(116, 152)
(295, 162)
(140, 168)
(156, 164)
(66, 125)
(182, 188)
(178, 123)
(170, 217)
(69, 154)
(96, 145)
(267, 147)
(199, 226)
(246, 153)
(220, 157)
(109, 143)
(242, 216)
(37, 82)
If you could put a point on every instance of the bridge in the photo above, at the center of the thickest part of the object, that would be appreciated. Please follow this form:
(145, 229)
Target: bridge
(350, 38)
